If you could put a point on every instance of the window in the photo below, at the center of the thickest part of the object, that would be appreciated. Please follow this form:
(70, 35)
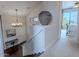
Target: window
(69, 18)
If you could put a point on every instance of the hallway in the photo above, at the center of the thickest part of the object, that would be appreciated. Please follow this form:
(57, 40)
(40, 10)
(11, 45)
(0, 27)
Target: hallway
(63, 48)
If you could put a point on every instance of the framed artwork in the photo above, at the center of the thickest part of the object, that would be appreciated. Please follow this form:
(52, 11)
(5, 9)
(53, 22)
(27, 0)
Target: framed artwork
(35, 21)
(11, 32)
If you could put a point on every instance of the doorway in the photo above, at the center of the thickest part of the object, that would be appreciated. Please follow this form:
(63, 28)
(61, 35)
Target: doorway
(69, 21)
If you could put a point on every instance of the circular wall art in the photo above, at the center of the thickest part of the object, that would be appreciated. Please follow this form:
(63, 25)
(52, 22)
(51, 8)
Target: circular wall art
(45, 17)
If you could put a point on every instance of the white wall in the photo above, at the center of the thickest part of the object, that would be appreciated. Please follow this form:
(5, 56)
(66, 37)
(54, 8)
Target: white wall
(20, 31)
(28, 47)
(1, 42)
(33, 13)
(52, 30)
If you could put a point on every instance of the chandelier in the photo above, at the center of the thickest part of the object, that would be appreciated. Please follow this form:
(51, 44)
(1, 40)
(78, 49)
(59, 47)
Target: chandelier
(17, 23)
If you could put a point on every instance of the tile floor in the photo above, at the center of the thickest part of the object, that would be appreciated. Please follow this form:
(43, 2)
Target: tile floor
(63, 48)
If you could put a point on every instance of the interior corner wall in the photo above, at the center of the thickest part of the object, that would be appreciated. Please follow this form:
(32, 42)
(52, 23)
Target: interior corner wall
(52, 30)
(33, 13)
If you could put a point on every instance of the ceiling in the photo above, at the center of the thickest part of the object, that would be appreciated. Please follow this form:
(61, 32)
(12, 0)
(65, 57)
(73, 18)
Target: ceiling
(24, 7)
(68, 4)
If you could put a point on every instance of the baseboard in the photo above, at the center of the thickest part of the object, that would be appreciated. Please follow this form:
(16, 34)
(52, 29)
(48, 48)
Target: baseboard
(34, 55)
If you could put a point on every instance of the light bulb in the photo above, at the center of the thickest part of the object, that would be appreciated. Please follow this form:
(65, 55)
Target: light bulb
(16, 24)
(13, 24)
(19, 24)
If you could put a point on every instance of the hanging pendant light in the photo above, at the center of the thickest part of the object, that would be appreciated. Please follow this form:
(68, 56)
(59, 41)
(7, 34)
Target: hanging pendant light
(17, 23)
(76, 5)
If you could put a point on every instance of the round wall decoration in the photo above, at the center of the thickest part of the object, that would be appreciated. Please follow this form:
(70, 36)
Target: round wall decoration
(45, 17)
